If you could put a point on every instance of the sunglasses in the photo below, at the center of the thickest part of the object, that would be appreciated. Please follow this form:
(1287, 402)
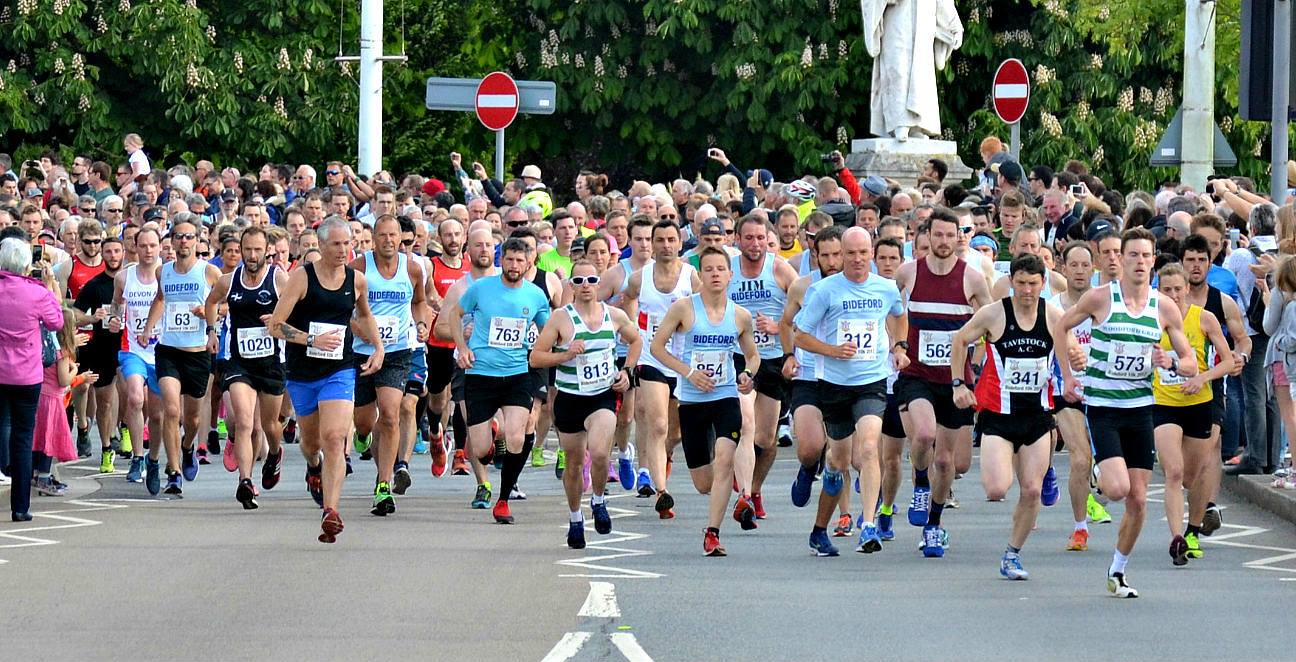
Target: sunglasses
(87, 211)
(271, 256)
(333, 172)
(518, 224)
(968, 229)
(669, 217)
(729, 231)
(585, 280)
(112, 211)
(92, 242)
(185, 236)
(407, 242)
(204, 253)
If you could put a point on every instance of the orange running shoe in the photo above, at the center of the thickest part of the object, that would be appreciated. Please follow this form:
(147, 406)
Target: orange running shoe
(330, 526)
(711, 544)
(460, 467)
(1079, 541)
(845, 524)
(744, 513)
(439, 456)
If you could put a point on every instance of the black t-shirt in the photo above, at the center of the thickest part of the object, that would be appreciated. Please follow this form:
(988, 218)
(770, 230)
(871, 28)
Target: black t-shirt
(96, 293)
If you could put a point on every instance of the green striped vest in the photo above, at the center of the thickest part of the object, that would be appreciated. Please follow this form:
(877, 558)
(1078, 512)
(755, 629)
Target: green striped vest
(594, 370)
(1119, 373)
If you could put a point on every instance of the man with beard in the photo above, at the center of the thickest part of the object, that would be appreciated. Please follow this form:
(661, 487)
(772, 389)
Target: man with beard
(447, 269)
(86, 263)
(134, 289)
(99, 356)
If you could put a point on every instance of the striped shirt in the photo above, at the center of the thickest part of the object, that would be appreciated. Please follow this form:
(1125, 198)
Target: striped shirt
(1119, 373)
(937, 308)
(594, 370)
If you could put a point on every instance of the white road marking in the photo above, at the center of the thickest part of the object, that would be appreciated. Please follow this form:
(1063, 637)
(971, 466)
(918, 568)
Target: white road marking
(629, 647)
(21, 540)
(567, 647)
(608, 544)
(601, 601)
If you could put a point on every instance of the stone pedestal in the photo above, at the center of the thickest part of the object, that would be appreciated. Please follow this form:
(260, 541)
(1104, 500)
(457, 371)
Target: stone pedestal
(904, 161)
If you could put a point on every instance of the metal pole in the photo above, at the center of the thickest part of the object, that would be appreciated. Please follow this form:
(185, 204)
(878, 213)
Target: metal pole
(370, 101)
(499, 155)
(1197, 141)
(1014, 139)
(1281, 100)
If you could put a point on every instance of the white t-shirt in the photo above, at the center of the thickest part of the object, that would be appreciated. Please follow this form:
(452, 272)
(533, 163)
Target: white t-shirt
(139, 158)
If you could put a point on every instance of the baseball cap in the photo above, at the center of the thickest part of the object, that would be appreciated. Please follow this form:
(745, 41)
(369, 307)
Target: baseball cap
(712, 226)
(1099, 228)
(1009, 170)
(432, 187)
(153, 214)
(875, 185)
(138, 199)
(766, 177)
(578, 245)
(228, 195)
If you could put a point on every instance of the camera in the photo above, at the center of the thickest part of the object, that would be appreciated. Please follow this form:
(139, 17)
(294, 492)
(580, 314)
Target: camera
(830, 157)
(1077, 189)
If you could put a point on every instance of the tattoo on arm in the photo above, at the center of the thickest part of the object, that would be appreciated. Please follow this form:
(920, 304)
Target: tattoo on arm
(289, 334)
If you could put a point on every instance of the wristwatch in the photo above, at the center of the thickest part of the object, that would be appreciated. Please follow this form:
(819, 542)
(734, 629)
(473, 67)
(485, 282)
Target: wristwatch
(748, 373)
(903, 344)
(955, 383)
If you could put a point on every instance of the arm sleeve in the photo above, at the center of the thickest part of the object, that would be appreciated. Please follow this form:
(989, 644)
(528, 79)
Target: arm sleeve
(849, 183)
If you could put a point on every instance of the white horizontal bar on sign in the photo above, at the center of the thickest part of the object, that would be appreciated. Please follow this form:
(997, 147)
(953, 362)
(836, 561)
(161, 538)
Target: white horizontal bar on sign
(497, 101)
(1011, 91)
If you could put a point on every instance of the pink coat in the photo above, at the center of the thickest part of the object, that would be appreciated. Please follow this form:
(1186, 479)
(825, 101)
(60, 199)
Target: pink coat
(25, 303)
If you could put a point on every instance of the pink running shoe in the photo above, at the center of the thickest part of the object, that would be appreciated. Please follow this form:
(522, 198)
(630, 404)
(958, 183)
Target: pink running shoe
(228, 457)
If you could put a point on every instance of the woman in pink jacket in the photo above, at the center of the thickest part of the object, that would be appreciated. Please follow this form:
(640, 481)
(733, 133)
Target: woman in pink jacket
(28, 304)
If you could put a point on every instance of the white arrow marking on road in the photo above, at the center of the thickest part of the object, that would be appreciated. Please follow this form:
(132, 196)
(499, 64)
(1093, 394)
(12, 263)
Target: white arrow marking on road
(496, 101)
(629, 647)
(567, 647)
(601, 601)
(1011, 91)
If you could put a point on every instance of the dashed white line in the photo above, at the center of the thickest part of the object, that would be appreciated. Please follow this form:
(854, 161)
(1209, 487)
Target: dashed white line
(567, 647)
(601, 602)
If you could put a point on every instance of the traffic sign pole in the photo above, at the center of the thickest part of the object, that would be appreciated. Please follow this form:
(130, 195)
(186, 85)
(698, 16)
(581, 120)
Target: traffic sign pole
(1011, 98)
(499, 154)
(1014, 139)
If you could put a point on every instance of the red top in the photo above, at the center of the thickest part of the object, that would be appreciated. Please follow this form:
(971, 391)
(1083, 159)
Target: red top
(444, 276)
(81, 274)
(937, 308)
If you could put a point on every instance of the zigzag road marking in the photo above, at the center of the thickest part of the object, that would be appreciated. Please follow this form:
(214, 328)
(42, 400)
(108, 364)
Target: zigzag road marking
(1240, 531)
(68, 522)
(608, 544)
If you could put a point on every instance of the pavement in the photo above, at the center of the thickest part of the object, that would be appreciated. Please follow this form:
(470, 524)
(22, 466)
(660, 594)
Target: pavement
(111, 573)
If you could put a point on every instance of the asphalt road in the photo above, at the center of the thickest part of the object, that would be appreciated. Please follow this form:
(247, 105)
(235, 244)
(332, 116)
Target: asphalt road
(109, 573)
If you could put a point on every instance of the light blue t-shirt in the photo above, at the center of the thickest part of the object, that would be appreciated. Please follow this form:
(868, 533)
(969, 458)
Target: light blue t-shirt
(854, 311)
(501, 316)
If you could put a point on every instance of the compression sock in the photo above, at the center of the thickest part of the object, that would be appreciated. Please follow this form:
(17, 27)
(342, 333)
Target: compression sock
(528, 442)
(933, 517)
(920, 478)
(460, 429)
(887, 509)
(509, 474)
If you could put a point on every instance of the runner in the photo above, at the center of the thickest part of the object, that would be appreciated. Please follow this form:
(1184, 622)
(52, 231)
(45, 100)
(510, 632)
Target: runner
(447, 269)
(1118, 384)
(253, 371)
(494, 359)
(541, 410)
(758, 282)
(414, 402)
(1026, 241)
(314, 316)
(941, 295)
(647, 296)
(183, 362)
(99, 356)
(713, 328)
(887, 257)
(86, 263)
(588, 382)
(134, 290)
(1182, 413)
(1014, 396)
(847, 318)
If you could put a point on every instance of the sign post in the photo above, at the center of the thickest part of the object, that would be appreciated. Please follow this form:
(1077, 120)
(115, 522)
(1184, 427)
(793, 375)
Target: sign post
(1011, 96)
(497, 104)
(496, 99)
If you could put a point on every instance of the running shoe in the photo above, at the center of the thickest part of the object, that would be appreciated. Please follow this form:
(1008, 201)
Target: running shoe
(384, 503)
(784, 435)
(153, 476)
(919, 505)
(1212, 520)
(136, 472)
(1079, 541)
(517, 495)
(401, 479)
(950, 502)
(575, 534)
(602, 520)
(362, 443)
(821, 545)
(560, 465)
(1049, 492)
(1116, 586)
(844, 526)
(272, 469)
(125, 445)
(315, 483)
(744, 514)
(460, 466)
(115, 445)
(246, 493)
(501, 512)
(229, 458)
(439, 457)
(711, 544)
(886, 526)
(187, 465)
(832, 482)
(612, 474)
(802, 485)
(201, 454)
(501, 451)
(349, 469)
(665, 502)
(213, 442)
(645, 486)
(1179, 551)
(330, 526)
(45, 486)
(290, 431)
(83, 443)
(537, 460)
(931, 544)
(420, 445)
(1194, 546)
(173, 485)
(106, 461)
(1096, 512)
(869, 540)
(758, 503)
(1010, 567)
(481, 500)
(626, 473)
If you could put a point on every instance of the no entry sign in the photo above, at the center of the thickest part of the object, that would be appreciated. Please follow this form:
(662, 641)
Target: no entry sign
(1011, 91)
(497, 101)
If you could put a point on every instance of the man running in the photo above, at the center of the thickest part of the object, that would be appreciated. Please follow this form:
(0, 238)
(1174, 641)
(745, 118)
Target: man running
(314, 316)
(99, 356)
(713, 328)
(87, 262)
(447, 269)
(134, 289)
(888, 255)
(580, 341)
(1128, 320)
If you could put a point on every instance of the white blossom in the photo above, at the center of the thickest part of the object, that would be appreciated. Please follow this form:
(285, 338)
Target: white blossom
(1098, 157)
(123, 6)
(279, 108)
(598, 67)
(1051, 124)
(238, 62)
(284, 62)
(580, 61)
(59, 67)
(83, 104)
(807, 57)
(1125, 101)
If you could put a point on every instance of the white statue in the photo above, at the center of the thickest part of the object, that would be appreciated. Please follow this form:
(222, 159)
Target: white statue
(909, 41)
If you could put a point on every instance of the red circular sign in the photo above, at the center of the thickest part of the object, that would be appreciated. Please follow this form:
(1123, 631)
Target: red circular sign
(1011, 91)
(497, 101)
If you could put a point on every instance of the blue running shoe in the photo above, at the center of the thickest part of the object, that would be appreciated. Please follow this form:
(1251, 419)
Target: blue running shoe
(1049, 493)
(421, 446)
(885, 525)
(153, 476)
(1010, 567)
(832, 482)
(136, 472)
(932, 547)
(481, 500)
(626, 473)
(801, 486)
(919, 505)
(869, 540)
(602, 520)
(576, 535)
(189, 465)
(821, 544)
(645, 486)
(173, 486)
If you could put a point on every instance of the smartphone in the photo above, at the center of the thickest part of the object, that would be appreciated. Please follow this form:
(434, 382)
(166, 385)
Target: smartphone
(1077, 189)
(38, 274)
(38, 253)
(1233, 237)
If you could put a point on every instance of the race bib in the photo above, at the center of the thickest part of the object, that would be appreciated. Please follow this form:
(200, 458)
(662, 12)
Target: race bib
(1168, 376)
(388, 328)
(533, 332)
(1129, 360)
(711, 362)
(935, 348)
(255, 343)
(864, 333)
(1002, 266)
(648, 323)
(1025, 375)
(180, 318)
(764, 341)
(596, 370)
(506, 332)
(318, 329)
